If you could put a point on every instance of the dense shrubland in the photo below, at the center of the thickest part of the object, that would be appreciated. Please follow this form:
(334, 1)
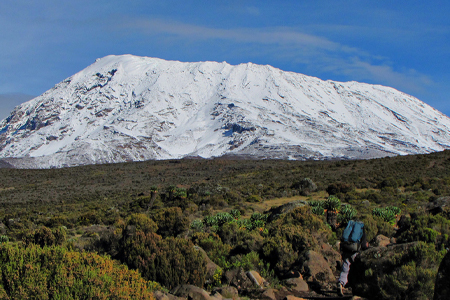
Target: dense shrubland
(148, 216)
(55, 272)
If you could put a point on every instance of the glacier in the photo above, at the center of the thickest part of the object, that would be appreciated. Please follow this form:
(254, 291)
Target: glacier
(129, 108)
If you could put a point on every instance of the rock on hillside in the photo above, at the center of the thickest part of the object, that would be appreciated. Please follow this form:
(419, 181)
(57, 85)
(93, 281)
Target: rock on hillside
(442, 287)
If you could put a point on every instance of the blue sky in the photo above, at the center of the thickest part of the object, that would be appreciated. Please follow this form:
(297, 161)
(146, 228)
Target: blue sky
(403, 44)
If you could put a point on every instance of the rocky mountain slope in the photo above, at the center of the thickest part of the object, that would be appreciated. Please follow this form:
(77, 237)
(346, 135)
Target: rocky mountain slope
(128, 108)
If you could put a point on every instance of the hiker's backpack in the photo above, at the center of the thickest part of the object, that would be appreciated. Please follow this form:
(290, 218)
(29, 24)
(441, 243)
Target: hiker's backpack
(352, 235)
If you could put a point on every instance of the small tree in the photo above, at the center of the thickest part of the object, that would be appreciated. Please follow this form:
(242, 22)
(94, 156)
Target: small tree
(153, 193)
(332, 204)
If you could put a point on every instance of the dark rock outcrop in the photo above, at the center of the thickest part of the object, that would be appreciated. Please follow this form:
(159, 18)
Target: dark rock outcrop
(296, 284)
(165, 296)
(442, 286)
(316, 271)
(256, 279)
(211, 267)
(382, 241)
(190, 292)
(274, 213)
(332, 256)
(370, 265)
(228, 292)
(438, 205)
(239, 279)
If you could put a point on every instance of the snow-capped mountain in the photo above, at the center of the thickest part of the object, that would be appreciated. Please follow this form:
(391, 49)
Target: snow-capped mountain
(128, 108)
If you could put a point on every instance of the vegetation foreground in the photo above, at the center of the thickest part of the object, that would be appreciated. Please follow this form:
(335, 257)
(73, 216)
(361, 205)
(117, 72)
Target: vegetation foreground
(124, 231)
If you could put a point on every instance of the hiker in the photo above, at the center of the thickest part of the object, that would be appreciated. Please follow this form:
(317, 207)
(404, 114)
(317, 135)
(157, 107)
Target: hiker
(353, 241)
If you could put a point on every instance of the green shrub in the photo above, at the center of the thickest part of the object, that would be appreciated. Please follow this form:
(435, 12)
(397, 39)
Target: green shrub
(140, 222)
(318, 210)
(407, 272)
(197, 225)
(213, 245)
(279, 253)
(339, 188)
(429, 229)
(171, 221)
(89, 218)
(370, 227)
(57, 273)
(291, 235)
(4, 239)
(332, 203)
(240, 238)
(305, 186)
(44, 236)
(317, 207)
(235, 213)
(388, 214)
(258, 220)
(254, 198)
(210, 221)
(346, 213)
(170, 261)
(249, 261)
(223, 218)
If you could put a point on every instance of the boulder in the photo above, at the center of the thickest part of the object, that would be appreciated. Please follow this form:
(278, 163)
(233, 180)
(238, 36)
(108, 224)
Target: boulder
(367, 276)
(296, 284)
(332, 256)
(216, 296)
(366, 203)
(275, 213)
(238, 278)
(190, 292)
(269, 294)
(228, 292)
(382, 241)
(442, 287)
(316, 271)
(164, 296)
(256, 278)
(438, 205)
(291, 297)
(211, 267)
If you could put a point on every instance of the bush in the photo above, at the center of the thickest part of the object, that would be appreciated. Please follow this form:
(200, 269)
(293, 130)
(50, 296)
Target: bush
(44, 236)
(140, 222)
(213, 245)
(291, 235)
(339, 188)
(235, 213)
(57, 273)
(171, 261)
(305, 186)
(346, 213)
(429, 229)
(405, 274)
(332, 203)
(317, 207)
(388, 214)
(171, 221)
(197, 225)
(279, 253)
(254, 198)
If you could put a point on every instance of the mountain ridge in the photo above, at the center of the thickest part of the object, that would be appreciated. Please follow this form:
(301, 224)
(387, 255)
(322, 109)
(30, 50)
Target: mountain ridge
(129, 108)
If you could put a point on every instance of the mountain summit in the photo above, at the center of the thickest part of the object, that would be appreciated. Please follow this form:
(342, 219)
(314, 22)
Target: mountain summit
(129, 108)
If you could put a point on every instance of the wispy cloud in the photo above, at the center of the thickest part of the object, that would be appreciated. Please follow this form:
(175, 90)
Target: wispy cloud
(276, 35)
(292, 44)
